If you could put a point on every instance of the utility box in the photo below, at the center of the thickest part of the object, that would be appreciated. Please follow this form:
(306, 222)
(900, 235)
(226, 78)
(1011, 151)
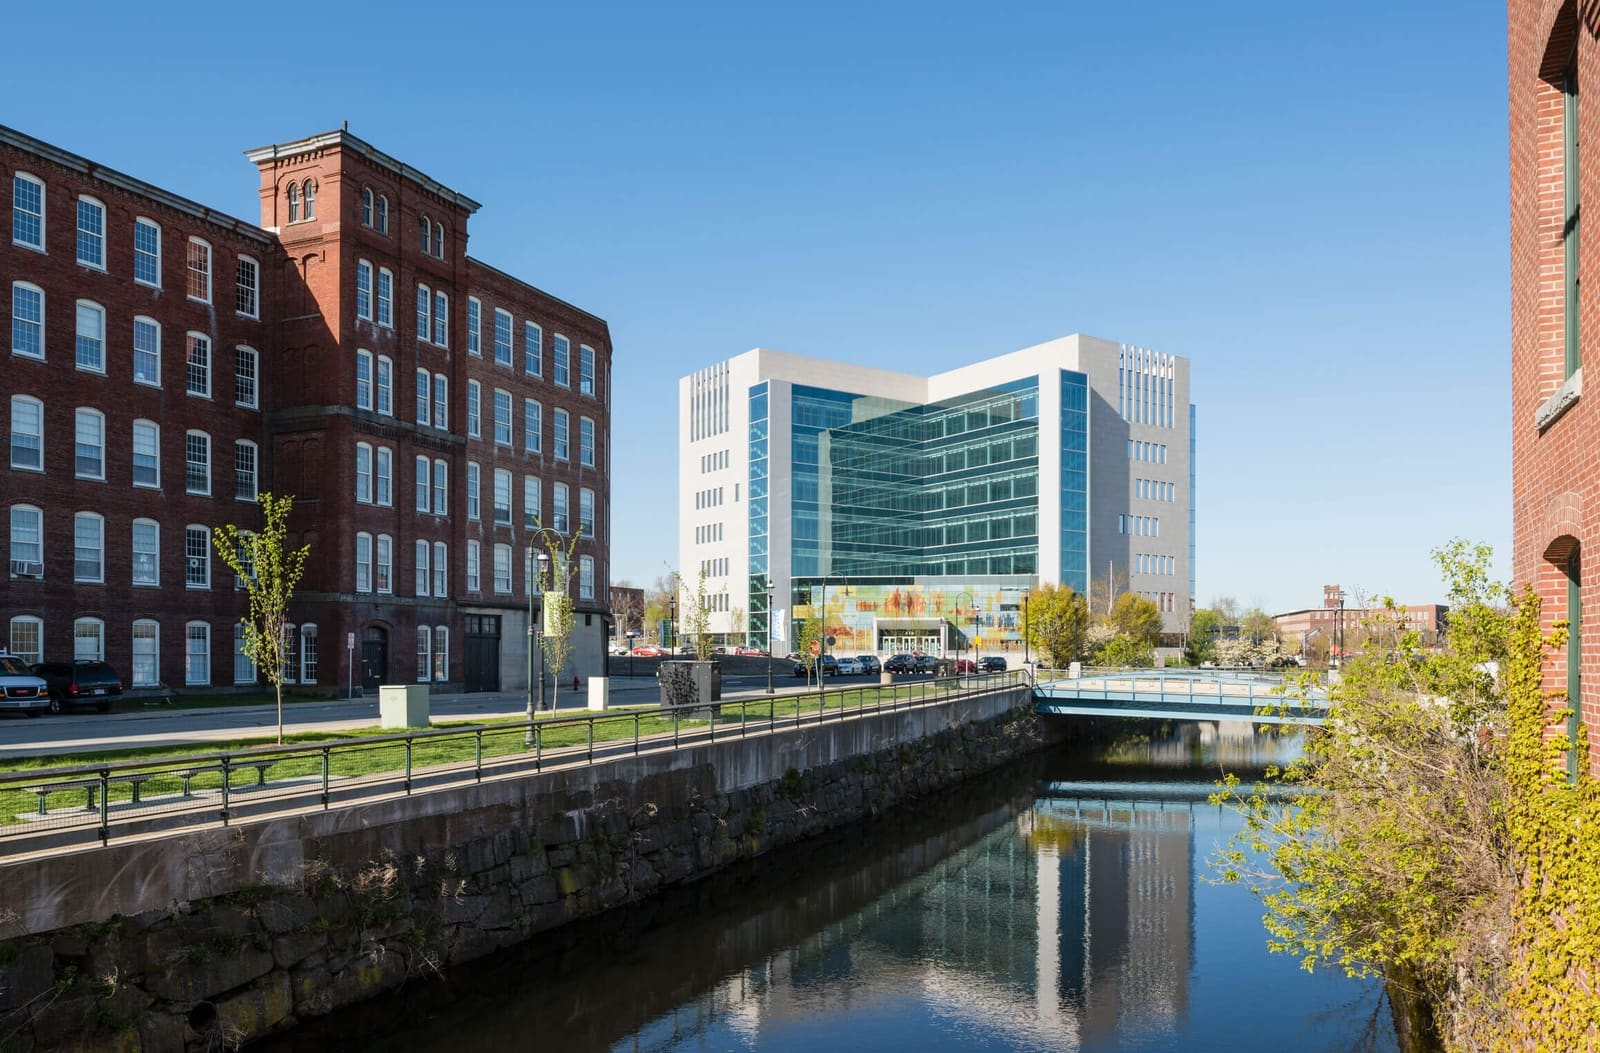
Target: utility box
(599, 693)
(403, 705)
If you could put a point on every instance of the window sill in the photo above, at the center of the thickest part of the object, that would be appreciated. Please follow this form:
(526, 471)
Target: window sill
(1564, 399)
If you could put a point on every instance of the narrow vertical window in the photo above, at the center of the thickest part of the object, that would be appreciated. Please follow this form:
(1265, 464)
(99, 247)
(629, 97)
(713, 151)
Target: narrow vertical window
(562, 351)
(532, 350)
(88, 547)
(424, 653)
(424, 401)
(585, 369)
(311, 199)
(196, 557)
(146, 653)
(27, 433)
(562, 438)
(147, 252)
(424, 576)
(246, 376)
(385, 402)
(244, 470)
(502, 337)
(441, 319)
(363, 562)
(364, 380)
(364, 290)
(27, 320)
(247, 288)
(383, 477)
(474, 409)
(474, 326)
(382, 220)
(1573, 212)
(91, 343)
(502, 417)
(366, 206)
(473, 497)
(294, 203)
(27, 211)
(441, 402)
(441, 569)
(89, 452)
(423, 465)
(383, 564)
(147, 352)
(91, 233)
(197, 463)
(385, 298)
(197, 369)
(473, 583)
(586, 442)
(424, 306)
(531, 416)
(199, 270)
(146, 454)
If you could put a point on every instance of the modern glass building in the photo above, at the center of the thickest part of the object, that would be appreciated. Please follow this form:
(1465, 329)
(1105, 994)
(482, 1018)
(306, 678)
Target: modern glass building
(917, 512)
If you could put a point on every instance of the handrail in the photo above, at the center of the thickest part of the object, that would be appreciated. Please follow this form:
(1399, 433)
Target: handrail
(92, 800)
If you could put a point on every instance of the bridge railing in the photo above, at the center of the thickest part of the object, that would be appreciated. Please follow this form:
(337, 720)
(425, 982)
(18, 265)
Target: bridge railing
(53, 807)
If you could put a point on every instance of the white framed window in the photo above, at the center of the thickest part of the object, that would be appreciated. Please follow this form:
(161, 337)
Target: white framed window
(473, 582)
(563, 443)
(438, 241)
(502, 570)
(502, 497)
(586, 511)
(246, 377)
(310, 192)
(147, 252)
(424, 574)
(385, 298)
(562, 351)
(27, 539)
(383, 564)
(585, 369)
(441, 319)
(197, 366)
(290, 645)
(424, 653)
(385, 404)
(146, 670)
(364, 473)
(91, 233)
(502, 337)
(146, 552)
(441, 569)
(293, 195)
(383, 478)
(197, 654)
(363, 562)
(89, 640)
(366, 206)
(441, 487)
(364, 290)
(27, 211)
(27, 320)
(558, 508)
(308, 654)
(502, 417)
(199, 270)
(89, 447)
(586, 442)
(474, 327)
(244, 470)
(423, 467)
(474, 409)
(424, 313)
(247, 288)
(196, 557)
(441, 402)
(90, 348)
(585, 577)
(88, 547)
(27, 433)
(531, 504)
(532, 418)
(381, 221)
(364, 371)
(197, 463)
(532, 350)
(147, 351)
(426, 226)
(244, 670)
(473, 511)
(147, 454)
(424, 402)
(27, 638)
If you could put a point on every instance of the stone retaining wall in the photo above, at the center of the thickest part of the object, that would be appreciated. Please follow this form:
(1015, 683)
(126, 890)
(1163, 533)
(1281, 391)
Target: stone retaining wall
(226, 934)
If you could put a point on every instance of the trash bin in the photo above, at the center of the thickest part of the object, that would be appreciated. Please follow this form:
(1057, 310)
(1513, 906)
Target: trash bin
(403, 705)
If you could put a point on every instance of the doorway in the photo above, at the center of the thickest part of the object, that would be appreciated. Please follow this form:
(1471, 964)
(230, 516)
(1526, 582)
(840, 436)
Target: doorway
(482, 671)
(374, 656)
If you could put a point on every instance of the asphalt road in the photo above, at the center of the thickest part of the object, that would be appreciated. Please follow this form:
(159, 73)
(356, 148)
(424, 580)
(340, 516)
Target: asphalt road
(171, 726)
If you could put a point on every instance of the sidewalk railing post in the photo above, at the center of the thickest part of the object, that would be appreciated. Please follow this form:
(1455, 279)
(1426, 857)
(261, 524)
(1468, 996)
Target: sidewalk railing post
(327, 763)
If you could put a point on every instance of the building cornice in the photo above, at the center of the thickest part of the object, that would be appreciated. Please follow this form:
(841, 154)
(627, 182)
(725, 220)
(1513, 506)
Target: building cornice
(345, 141)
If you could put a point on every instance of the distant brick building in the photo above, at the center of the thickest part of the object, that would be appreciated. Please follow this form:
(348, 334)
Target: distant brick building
(431, 416)
(1343, 626)
(1554, 68)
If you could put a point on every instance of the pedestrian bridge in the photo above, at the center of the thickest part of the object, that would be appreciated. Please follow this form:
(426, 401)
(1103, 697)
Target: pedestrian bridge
(1178, 694)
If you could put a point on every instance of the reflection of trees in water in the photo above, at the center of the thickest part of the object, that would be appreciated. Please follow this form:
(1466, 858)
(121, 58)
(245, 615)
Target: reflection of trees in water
(1227, 745)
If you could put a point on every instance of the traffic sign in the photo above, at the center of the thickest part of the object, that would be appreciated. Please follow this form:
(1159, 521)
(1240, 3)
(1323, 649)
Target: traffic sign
(816, 646)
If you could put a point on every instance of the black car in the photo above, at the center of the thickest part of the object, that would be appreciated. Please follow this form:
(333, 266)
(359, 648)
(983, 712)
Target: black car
(900, 663)
(926, 663)
(830, 667)
(991, 664)
(79, 683)
(869, 664)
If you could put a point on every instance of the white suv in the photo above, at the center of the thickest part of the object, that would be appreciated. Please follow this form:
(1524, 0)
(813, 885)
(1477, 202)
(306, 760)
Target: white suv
(20, 690)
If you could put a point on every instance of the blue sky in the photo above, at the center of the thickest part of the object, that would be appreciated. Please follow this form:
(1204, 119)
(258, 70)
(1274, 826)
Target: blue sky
(1288, 195)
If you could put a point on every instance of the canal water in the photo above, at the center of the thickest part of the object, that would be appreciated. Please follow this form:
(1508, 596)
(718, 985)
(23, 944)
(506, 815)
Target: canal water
(1062, 904)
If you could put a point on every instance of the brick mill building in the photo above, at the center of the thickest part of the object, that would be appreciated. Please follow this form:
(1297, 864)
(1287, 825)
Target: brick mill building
(1554, 61)
(433, 418)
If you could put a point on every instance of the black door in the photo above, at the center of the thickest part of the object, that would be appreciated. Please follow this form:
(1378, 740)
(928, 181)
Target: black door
(482, 671)
(374, 657)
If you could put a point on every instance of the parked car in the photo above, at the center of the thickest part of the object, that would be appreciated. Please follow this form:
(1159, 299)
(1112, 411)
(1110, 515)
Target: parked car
(830, 667)
(926, 663)
(991, 663)
(20, 690)
(80, 683)
(965, 665)
(869, 664)
(750, 652)
(901, 663)
(849, 667)
(649, 651)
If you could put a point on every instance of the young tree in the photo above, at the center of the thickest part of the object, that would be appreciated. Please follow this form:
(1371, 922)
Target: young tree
(555, 587)
(1203, 630)
(270, 571)
(810, 633)
(1058, 623)
(1104, 590)
(736, 621)
(1137, 618)
(696, 611)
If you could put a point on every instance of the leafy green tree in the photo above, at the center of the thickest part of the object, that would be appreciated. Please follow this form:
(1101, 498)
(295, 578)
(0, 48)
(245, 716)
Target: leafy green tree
(1124, 651)
(555, 587)
(1204, 627)
(1137, 618)
(810, 633)
(697, 619)
(1058, 623)
(270, 571)
(1257, 625)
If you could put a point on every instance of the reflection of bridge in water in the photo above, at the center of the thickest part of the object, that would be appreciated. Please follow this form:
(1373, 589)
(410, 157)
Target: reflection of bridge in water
(1261, 698)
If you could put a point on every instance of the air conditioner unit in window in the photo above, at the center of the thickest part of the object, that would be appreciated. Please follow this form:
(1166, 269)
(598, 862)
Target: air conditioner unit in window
(22, 568)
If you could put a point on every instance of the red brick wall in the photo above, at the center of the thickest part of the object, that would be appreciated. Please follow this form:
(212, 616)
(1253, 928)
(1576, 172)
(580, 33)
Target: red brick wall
(1556, 472)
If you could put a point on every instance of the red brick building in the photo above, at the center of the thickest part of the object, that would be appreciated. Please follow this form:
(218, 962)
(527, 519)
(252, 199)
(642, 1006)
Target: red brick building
(433, 417)
(1554, 69)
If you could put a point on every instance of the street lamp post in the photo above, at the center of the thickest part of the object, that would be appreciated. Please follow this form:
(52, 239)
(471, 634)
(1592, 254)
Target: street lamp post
(974, 602)
(1341, 628)
(544, 561)
(769, 637)
(1025, 594)
(672, 621)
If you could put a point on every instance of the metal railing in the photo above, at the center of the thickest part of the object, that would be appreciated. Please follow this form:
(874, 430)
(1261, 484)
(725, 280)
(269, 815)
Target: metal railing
(1192, 691)
(43, 808)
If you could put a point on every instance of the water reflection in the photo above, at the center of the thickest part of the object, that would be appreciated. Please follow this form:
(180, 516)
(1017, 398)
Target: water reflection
(1061, 905)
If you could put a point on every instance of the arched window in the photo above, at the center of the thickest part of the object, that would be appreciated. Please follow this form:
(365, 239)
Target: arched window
(89, 640)
(311, 199)
(438, 240)
(427, 235)
(294, 203)
(146, 653)
(308, 654)
(366, 206)
(382, 222)
(27, 638)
